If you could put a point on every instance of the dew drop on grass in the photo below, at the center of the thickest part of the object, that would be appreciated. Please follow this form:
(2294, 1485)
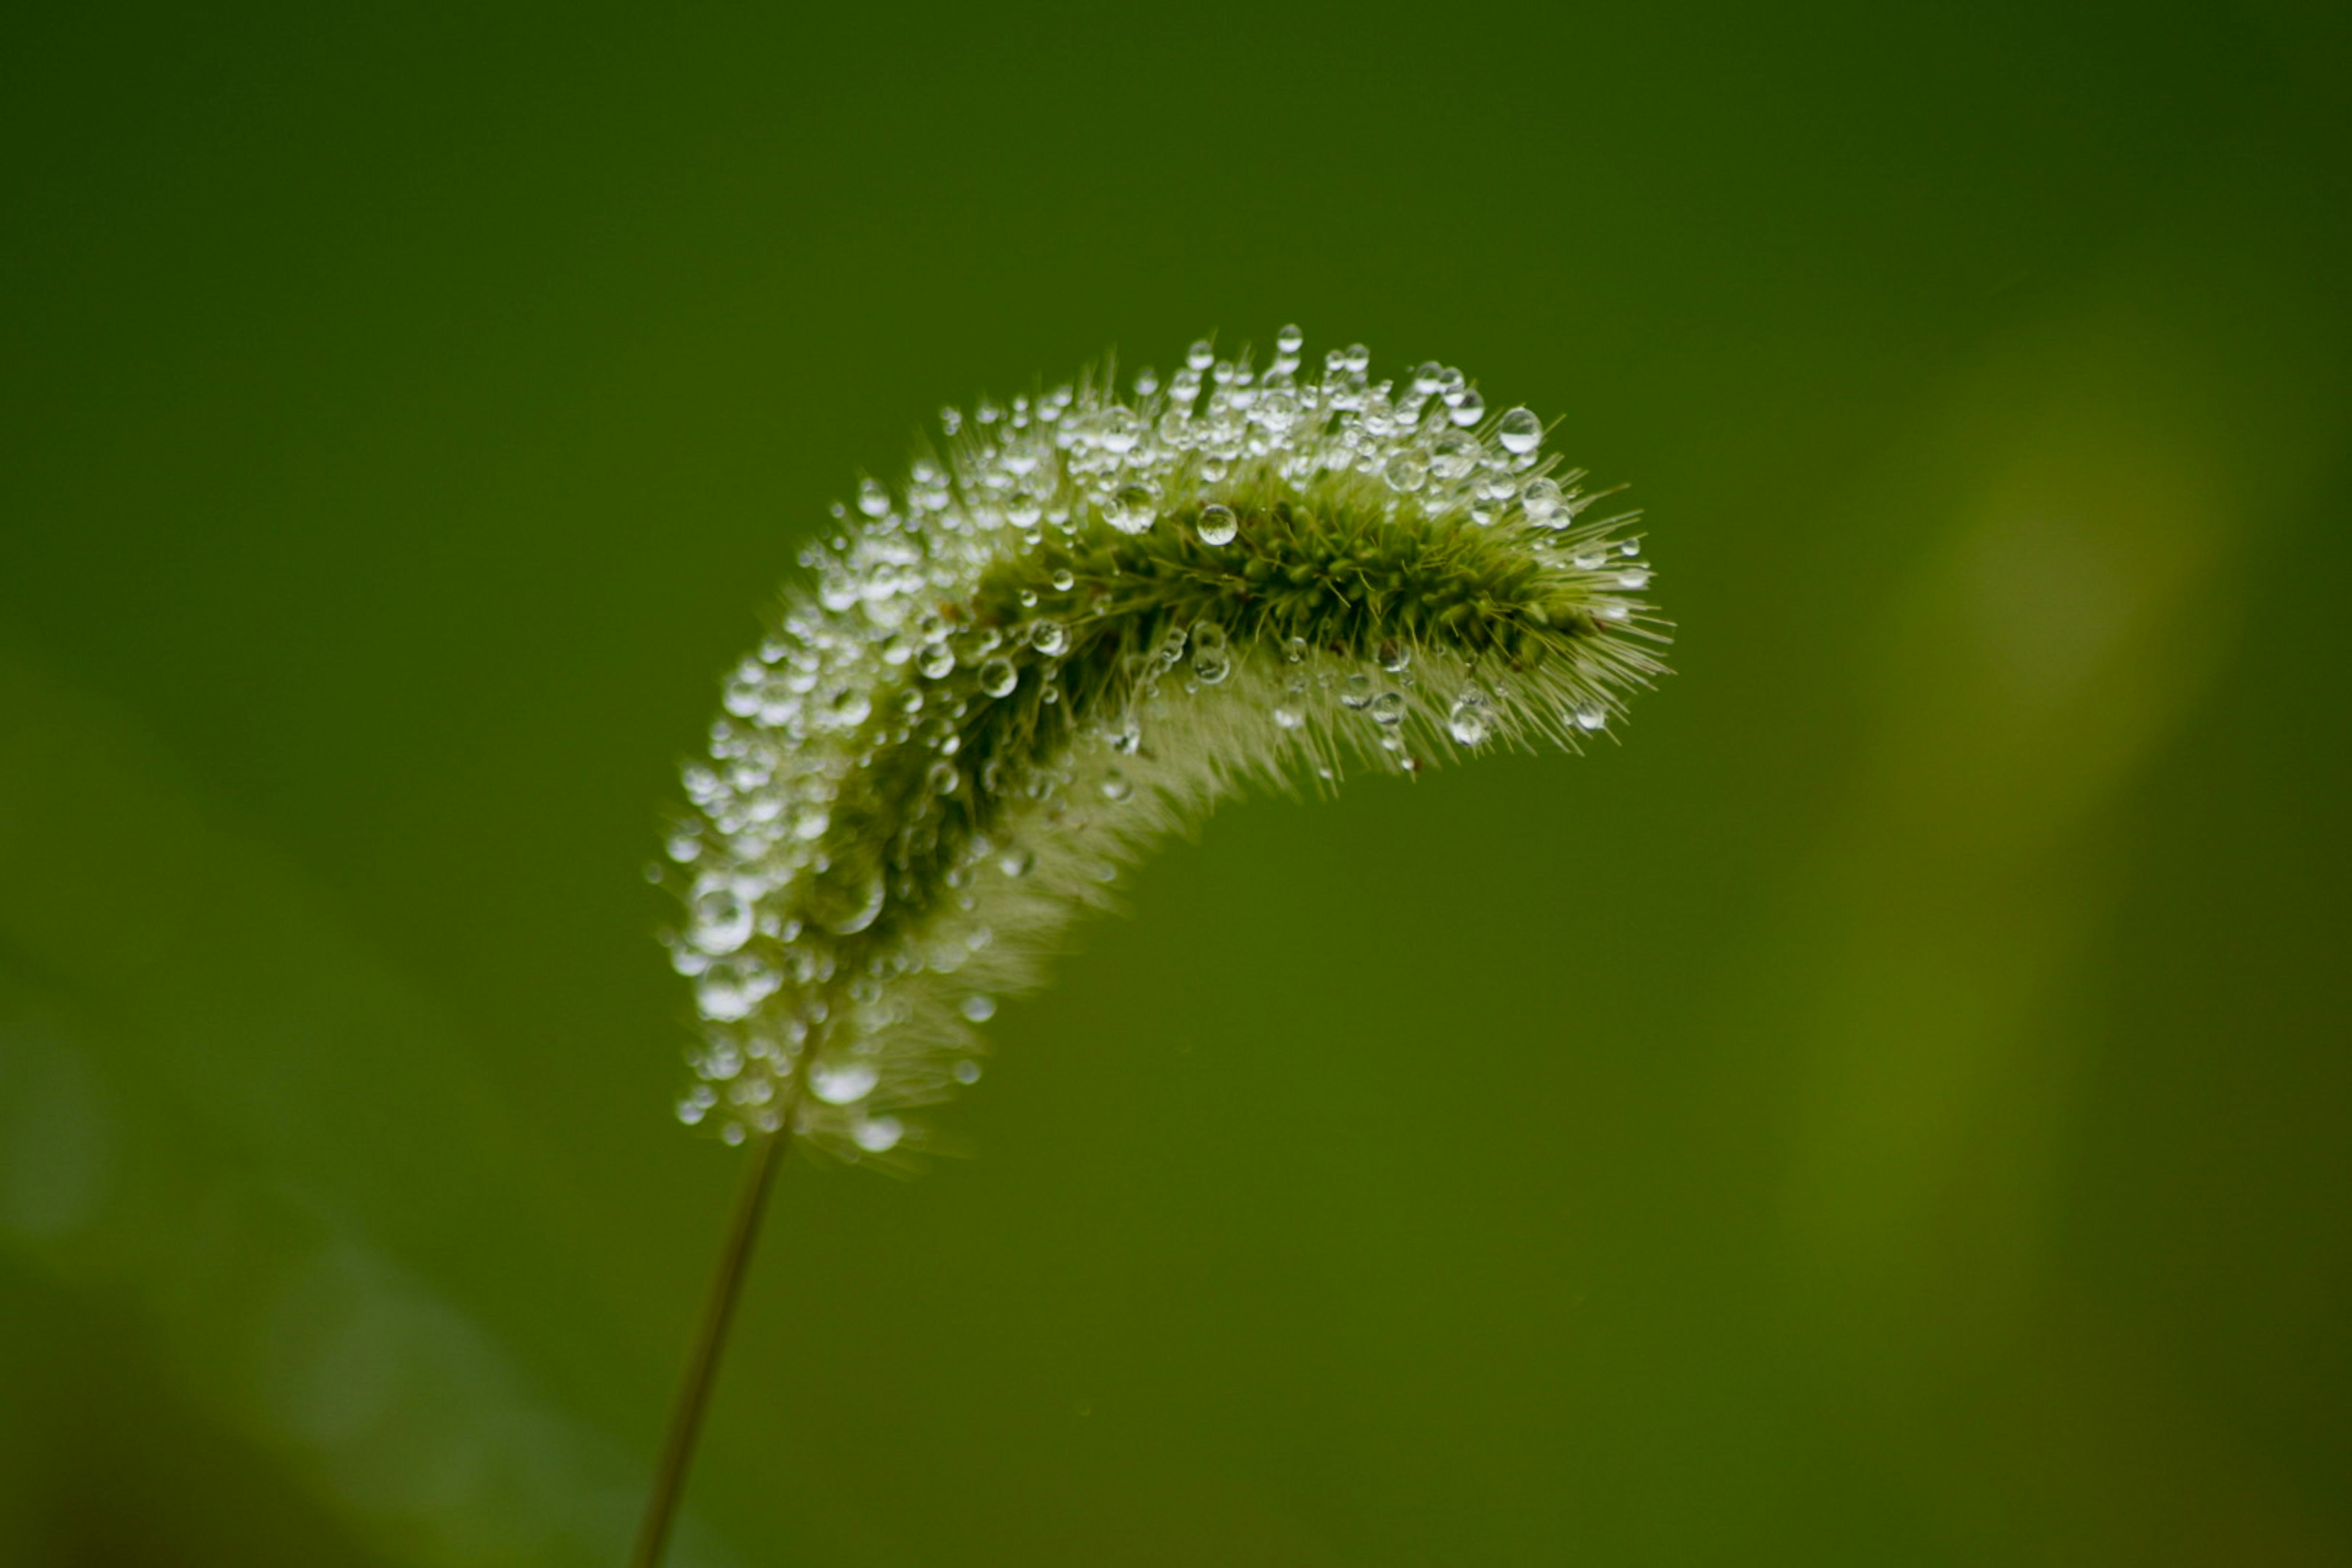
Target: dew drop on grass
(722, 919)
(1520, 431)
(878, 1134)
(1218, 525)
(1212, 659)
(843, 1083)
(1541, 501)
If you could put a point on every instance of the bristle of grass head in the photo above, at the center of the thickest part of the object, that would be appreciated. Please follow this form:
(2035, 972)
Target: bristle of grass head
(1067, 634)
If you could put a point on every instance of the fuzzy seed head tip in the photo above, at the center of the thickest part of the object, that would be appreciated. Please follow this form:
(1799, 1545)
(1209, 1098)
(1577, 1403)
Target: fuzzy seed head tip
(1078, 621)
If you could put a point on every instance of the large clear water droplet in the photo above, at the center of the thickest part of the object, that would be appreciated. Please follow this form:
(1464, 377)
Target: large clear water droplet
(1049, 637)
(843, 1083)
(878, 1134)
(722, 919)
(1469, 410)
(1520, 431)
(979, 1007)
(1212, 659)
(1133, 508)
(731, 987)
(998, 677)
(1218, 525)
(1541, 501)
(846, 909)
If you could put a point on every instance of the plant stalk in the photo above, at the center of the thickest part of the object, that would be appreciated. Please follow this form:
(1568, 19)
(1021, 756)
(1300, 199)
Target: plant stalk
(702, 1367)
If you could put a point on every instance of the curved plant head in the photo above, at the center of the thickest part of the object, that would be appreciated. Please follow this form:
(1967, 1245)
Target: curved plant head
(1069, 632)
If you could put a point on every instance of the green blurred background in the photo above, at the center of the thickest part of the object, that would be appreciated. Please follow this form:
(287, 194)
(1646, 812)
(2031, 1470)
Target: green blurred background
(1892, 1110)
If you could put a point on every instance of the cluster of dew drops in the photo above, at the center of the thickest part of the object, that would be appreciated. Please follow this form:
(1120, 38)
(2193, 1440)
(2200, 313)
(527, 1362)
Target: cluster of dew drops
(1015, 475)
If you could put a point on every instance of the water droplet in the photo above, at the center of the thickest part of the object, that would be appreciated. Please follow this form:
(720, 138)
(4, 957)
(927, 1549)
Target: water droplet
(871, 499)
(1396, 656)
(1590, 716)
(1201, 355)
(941, 778)
(1017, 862)
(1629, 547)
(1388, 709)
(998, 677)
(936, 660)
(979, 1007)
(731, 988)
(1468, 724)
(1213, 659)
(1049, 636)
(1356, 358)
(1064, 581)
(878, 1134)
(1218, 524)
(967, 1071)
(1587, 560)
(1115, 787)
(843, 1083)
(847, 708)
(1469, 410)
(1122, 427)
(1454, 456)
(1406, 473)
(1356, 692)
(1289, 341)
(1636, 578)
(1288, 718)
(1294, 650)
(1521, 432)
(722, 919)
(1133, 507)
(1541, 501)
(845, 910)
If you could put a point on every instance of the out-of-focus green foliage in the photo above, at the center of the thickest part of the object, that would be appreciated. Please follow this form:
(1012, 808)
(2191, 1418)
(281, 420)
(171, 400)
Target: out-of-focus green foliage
(1891, 1110)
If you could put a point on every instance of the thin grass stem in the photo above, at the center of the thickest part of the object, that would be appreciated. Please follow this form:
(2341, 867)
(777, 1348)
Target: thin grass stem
(702, 1367)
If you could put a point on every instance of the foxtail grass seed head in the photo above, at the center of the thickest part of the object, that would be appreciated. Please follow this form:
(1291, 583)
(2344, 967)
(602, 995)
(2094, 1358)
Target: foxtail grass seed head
(1068, 631)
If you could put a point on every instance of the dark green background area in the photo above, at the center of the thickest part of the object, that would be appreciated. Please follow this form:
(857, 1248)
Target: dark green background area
(1891, 1109)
